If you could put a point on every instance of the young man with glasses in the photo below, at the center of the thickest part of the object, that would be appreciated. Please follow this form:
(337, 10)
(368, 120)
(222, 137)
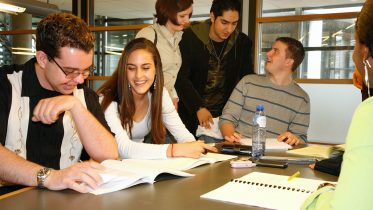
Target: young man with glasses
(49, 122)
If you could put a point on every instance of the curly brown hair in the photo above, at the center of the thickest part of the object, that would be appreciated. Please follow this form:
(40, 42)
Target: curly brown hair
(60, 30)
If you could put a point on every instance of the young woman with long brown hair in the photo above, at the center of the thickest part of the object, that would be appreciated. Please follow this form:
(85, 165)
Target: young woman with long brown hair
(135, 103)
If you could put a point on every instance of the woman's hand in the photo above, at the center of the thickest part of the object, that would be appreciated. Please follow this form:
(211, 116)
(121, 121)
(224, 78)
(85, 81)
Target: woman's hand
(190, 149)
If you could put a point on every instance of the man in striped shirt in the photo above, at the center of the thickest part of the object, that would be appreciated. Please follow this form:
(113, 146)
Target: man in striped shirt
(286, 104)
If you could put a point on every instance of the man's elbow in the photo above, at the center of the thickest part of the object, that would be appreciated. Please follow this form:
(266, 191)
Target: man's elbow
(107, 154)
(103, 157)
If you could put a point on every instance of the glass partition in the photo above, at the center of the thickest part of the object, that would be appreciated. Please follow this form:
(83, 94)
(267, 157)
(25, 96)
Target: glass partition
(329, 45)
(328, 40)
(272, 8)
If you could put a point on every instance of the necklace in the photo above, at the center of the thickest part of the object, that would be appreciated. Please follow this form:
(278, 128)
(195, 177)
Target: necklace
(214, 52)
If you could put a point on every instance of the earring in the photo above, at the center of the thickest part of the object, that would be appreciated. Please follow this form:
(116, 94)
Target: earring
(129, 86)
(155, 81)
(366, 78)
(368, 64)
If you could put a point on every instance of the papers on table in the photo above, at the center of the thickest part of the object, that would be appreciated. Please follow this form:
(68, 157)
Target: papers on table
(271, 144)
(319, 151)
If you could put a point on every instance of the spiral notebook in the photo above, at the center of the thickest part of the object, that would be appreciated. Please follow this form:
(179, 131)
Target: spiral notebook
(265, 190)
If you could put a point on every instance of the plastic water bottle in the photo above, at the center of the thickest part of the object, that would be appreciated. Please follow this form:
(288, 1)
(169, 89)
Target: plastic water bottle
(259, 133)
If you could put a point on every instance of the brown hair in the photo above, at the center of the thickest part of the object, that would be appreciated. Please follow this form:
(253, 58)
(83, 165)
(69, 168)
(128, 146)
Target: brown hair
(60, 30)
(117, 89)
(168, 9)
(294, 51)
(363, 26)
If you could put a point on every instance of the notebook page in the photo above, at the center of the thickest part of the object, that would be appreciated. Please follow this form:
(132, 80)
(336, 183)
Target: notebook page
(266, 191)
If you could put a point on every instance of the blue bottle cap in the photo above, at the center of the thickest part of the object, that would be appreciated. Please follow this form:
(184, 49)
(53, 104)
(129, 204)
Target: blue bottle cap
(259, 107)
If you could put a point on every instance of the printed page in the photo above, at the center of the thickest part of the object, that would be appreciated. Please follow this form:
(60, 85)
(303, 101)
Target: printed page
(180, 163)
(266, 191)
(120, 175)
(271, 144)
(317, 151)
(114, 180)
(129, 172)
(148, 169)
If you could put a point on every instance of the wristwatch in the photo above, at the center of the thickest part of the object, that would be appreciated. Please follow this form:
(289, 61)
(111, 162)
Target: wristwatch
(41, 175)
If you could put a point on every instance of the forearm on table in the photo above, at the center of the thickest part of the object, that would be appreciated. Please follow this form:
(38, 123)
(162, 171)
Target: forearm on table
(96, 139)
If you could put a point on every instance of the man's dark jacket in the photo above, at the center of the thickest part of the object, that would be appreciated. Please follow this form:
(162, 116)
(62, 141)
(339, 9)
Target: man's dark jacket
(195, 48)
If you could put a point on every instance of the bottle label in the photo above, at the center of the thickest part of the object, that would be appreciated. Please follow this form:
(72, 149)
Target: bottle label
(262, 121)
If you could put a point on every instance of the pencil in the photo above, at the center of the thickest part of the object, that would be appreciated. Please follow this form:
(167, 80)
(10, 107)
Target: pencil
(296, 174)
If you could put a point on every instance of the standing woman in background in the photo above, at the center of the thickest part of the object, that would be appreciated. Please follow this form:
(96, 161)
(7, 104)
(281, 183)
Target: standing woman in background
(172, 16)
(135, 103)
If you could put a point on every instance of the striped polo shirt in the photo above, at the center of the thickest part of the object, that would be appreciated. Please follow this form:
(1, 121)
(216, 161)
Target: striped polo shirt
(287, 107)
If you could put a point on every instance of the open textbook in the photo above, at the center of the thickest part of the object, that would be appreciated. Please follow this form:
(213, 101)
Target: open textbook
(129, 172)
(265, 190)
(319, 151)
(271, 144)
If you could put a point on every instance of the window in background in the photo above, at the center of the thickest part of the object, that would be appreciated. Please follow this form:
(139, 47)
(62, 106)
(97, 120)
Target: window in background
(17, 49)
(328, 42)
(273, 8)
(112, 15)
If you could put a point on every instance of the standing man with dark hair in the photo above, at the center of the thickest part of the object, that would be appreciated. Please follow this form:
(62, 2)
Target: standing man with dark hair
(47, 118)
(287, 106)
(215, 56)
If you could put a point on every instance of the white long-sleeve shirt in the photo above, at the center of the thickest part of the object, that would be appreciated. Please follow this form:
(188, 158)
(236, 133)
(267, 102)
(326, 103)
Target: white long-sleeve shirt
(135, 148)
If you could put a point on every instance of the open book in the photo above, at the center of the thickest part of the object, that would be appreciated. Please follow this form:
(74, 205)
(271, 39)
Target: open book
(129, 172)
(266, 190)
(271, 144)
(319, 151)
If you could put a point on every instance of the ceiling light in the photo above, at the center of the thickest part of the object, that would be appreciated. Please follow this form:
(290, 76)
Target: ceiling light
(113, 53)
(24, 53)
(11, 8)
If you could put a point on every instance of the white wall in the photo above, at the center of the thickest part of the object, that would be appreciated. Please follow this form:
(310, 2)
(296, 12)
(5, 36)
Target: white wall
(332, 107)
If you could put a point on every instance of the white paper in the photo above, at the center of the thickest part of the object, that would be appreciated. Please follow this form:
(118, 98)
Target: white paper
(214, 130)
(287, 195)
(271, 144)
(129, 172)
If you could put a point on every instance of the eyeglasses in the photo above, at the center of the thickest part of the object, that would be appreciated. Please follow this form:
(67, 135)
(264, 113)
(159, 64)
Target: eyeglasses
(74, 74)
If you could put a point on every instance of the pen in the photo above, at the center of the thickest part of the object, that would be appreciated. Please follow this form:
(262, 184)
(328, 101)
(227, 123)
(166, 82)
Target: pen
(296, 174)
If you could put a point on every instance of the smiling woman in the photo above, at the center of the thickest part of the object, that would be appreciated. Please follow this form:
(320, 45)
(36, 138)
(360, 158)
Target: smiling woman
(136, 103)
